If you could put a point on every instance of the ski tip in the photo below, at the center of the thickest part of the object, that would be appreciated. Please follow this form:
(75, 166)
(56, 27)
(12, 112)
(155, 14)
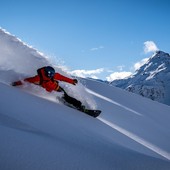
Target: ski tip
(97, 113)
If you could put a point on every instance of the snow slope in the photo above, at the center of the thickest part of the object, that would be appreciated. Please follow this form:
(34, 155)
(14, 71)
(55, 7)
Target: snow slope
(40, 133)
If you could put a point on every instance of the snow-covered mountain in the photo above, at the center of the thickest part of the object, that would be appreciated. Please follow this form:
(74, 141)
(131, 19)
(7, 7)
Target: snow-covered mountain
(151, 80)
(38, 132)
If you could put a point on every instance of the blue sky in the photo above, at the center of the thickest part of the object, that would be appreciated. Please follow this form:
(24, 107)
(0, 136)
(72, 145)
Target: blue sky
(92, 37)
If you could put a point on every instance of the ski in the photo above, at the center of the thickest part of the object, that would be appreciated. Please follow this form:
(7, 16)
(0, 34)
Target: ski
(91, 112)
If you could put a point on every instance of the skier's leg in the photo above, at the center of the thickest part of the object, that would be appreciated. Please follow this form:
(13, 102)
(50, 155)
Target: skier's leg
(71, 100)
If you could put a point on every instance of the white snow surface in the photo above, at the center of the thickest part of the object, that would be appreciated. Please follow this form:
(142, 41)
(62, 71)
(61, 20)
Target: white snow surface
(38, 132)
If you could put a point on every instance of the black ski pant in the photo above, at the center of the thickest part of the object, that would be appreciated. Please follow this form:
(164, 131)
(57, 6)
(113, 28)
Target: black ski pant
(76, 103)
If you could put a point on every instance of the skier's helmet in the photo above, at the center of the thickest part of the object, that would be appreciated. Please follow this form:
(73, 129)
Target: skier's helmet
(49, 71)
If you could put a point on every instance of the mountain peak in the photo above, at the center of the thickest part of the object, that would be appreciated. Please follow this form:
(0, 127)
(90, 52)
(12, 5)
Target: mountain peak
(151, 80)
(162, 53)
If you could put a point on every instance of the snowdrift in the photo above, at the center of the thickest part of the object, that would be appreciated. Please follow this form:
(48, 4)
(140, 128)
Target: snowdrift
(40, 133)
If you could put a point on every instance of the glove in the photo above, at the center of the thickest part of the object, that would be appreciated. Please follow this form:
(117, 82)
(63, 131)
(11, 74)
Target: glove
(16, 83)
(75, 81)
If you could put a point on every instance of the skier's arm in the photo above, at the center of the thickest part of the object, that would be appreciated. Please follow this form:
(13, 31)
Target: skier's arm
(35, 80)
(60, 77)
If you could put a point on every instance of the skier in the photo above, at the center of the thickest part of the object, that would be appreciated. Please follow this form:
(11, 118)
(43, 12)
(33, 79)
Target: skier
(48, 79)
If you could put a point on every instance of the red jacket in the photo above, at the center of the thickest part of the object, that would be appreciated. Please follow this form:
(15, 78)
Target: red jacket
(47, 83)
